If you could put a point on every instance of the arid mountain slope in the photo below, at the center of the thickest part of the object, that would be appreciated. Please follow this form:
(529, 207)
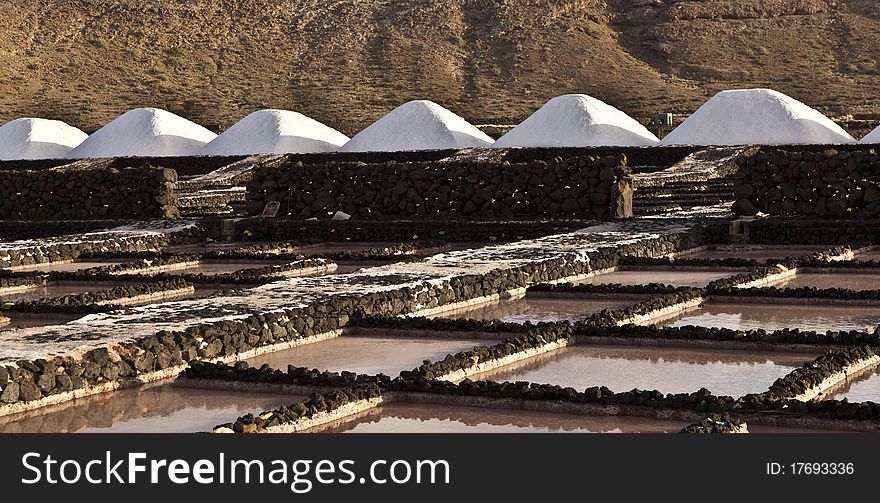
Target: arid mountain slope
(348, 62)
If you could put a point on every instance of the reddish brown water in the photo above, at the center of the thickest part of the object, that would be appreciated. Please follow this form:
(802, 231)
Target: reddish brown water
(416, 418)
(752, 252)
(59, 289)
(669, 370)
(147, 409)
(70, 266)
(778, 316)
(27, 320)
(666, 277)
(853, 281)
(865, 388)
(367, 355)
(537, 309)
(221, 267)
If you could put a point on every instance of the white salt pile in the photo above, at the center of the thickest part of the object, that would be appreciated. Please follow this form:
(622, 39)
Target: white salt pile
(873, 137)
(577, 120)
(756, 117)
(275, 132)
(38, 139)
(417, 125)
(148, 132)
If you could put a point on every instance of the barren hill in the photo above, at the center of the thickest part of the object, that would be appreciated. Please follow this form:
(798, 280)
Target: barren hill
(346, 62)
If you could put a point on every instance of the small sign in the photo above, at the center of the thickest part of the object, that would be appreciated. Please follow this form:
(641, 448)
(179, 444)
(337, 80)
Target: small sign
(271, 209)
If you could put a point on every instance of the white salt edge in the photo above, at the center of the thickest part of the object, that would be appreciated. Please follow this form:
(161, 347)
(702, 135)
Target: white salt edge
(417, 125)
(756, 117)
(872, 137)
(275, 132)
(34, 138)
(149, 132)
(577, 120)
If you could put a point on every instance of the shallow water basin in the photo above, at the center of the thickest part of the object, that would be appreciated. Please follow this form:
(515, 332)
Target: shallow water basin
(850, 280)
(672, 277)
(749, 316)
(537, 309)
(754, 253)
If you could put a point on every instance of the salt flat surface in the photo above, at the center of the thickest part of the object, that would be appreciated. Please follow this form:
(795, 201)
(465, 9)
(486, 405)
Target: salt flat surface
(149, 132)
(756, 117)
(577, 120)
(417, 125)
(290, 293)
(275, 132)
(872, 137)
(30, 138)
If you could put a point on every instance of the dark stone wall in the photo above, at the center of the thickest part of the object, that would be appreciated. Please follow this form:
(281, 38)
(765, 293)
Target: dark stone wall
(89, 193)
(575, 187)
(829, 182)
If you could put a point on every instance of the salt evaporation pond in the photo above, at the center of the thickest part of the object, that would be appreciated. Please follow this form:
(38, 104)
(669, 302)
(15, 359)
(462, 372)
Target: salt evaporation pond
(669, 370)
(537, 309)
(275, 132)
(665, 276)
(577, 120)
(153, 408)
(366, 354)
(149, 132)
(59, 289)
(32, 138)
(28, 320)
(417, 125)
(841, 279)
(864, 389)
(68, 266)
(417, 418)
(215, 267)
(756, 117)
(750, 316)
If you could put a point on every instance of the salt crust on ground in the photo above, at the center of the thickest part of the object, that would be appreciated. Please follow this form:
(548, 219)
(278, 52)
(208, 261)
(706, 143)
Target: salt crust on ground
(872, 137)
(417, 125)
(275, 132)
(27, 138)
(577, 120)
(148, 132)
(756, 117)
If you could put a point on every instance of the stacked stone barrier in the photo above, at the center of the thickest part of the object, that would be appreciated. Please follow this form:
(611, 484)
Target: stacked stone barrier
(582, 187)
(824, 182)
(95, 302)
(89, 193)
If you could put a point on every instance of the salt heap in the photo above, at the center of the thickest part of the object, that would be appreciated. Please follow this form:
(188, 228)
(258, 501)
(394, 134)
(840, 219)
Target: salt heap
(873, 137)
(417, 125)
(756, 117)
(577, 120)
(148, 132)
(275, 132)
(38, 139)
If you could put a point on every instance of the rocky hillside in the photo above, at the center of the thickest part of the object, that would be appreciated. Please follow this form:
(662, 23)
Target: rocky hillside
(347, 62)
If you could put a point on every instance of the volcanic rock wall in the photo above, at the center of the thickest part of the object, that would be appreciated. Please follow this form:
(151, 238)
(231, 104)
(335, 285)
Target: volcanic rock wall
(579, 186)
(826, 182)
(89, 193)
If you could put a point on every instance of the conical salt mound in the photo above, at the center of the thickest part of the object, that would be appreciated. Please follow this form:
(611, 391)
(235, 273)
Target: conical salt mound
(22, 139)
(417, 125)
(873, 137)
(577, 120)
(756, 117)
(147, 132)
(275, 132)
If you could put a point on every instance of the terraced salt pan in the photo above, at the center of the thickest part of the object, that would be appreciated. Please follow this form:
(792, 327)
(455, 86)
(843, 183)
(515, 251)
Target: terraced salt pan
(156, 408)
(756, 117)
(38, 139)
(669, 370)
(60, 289)
(536, 309)
(214, 267)
(840, 279)
(865, 388)
(69, 266)
(149, 132)
(417, 125)
(667, 277)
(366, 355)
(275, 132)
(28, 320)
(291, 293)
(416, 418)
(749, 316)
(577, 120)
